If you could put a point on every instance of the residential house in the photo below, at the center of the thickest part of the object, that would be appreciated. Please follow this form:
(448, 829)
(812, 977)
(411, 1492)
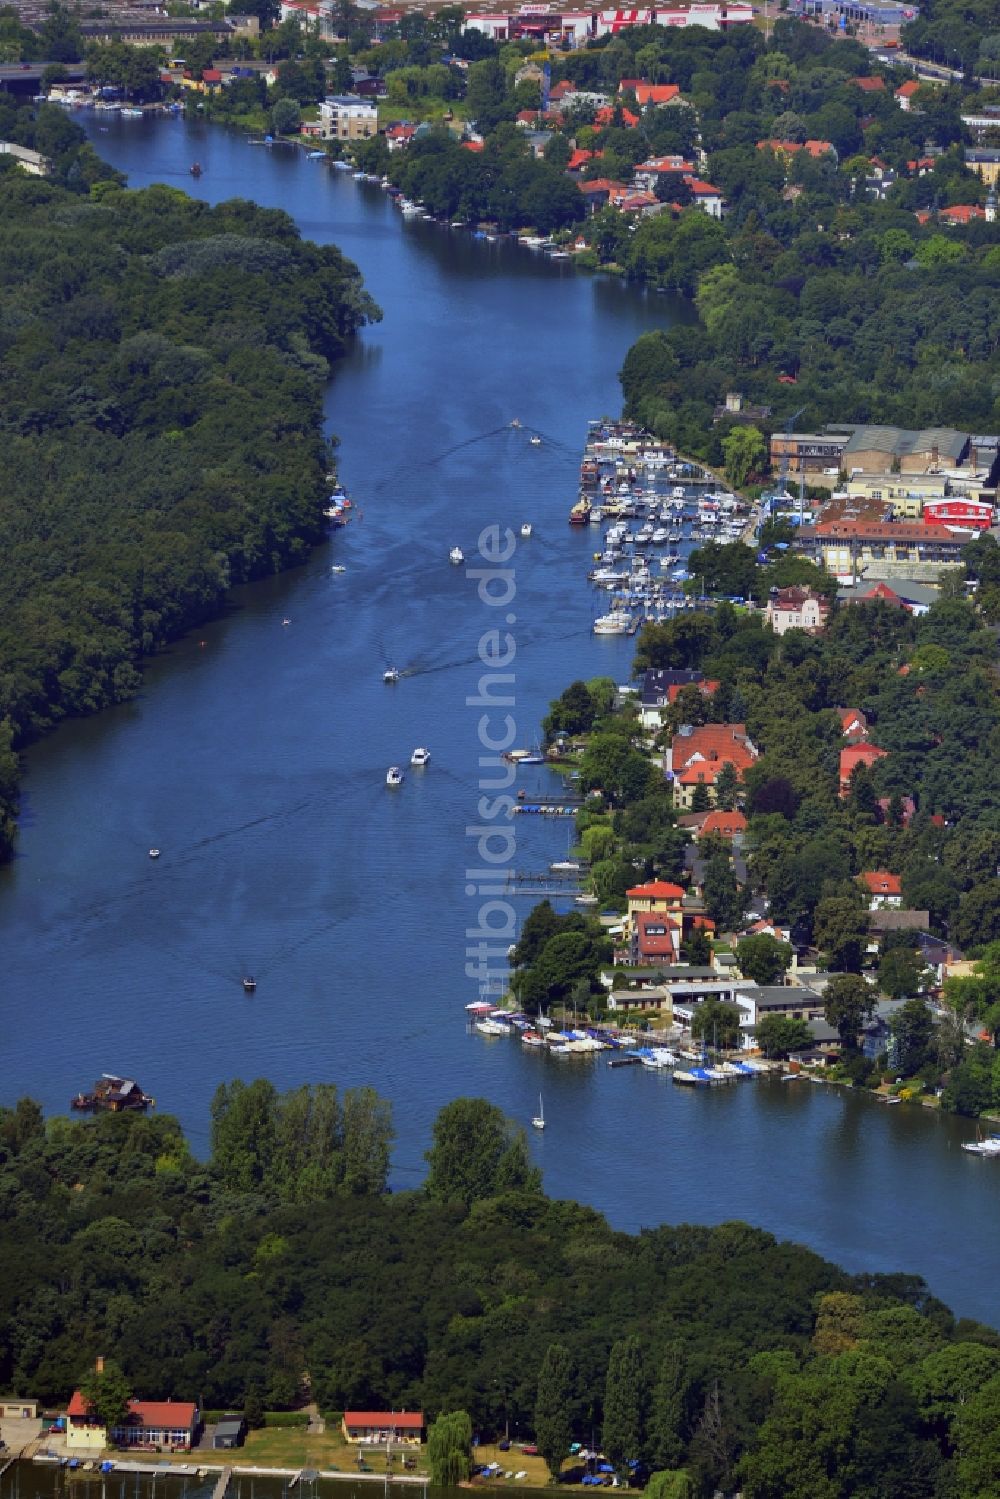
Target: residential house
(786, 151)
(398, 137)
(601, 191)
(656, 897)
(661, 168)
(871, 85)
(904, 94)
(612, 114)
(886, 920)
(985, 163)
(960, 214)
(885, 890)
(348, 117)
(656, 938)
(796, 608)
(853, 724)
(697, 755)
(646, 997)
(168, 1424)
(653, 94)
(853, 756)
(716, 824)
(708, 198)
(660, 689)
(14, 1409)
(32, 162)
(371, 1427)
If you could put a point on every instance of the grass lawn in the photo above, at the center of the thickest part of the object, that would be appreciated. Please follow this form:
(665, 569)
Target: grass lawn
(515, 1461)
(280, 1447)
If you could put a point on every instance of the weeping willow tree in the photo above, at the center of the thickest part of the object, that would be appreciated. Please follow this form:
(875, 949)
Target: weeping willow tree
(449, 1446)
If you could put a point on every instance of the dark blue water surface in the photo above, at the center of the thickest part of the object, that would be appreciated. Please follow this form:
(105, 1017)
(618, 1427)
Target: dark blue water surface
(256, 758)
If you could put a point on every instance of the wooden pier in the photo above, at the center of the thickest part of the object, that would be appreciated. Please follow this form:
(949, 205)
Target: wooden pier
(219, 1492)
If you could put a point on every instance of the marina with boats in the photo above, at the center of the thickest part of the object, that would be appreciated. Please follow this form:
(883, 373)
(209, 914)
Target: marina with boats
(651, 508)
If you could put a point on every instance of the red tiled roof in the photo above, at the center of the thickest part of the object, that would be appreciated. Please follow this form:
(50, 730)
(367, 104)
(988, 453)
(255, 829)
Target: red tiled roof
(211, 75)
(655, 890)
(907, 90)
(472, 145)
(881, 882)
(882, 530)
(606, 116)
(602, 185)
(708, 748)
(178, 1415)
(872, 85)
(656, 93)
(962, 213)
(384, 1420)
(725, 824)
(702, 189)
(578, 158)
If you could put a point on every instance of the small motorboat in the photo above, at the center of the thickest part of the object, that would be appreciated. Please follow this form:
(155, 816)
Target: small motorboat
(535, 440)
(196, 169)
(394, 776)
(526, 529)
(338, 567)
(456, 556)
(249, 984)
(154, 853)
(420, 756)
(286, 621)
(539, 1120)
(391, 674)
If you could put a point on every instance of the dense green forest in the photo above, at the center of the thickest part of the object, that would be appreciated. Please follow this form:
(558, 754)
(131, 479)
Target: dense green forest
(162, 364)
(744, 1361)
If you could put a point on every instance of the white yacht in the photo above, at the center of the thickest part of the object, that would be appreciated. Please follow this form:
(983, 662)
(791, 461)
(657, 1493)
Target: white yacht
(526, 529)
(617, 622)
(394, 776)
(456, 556)
(539, 1120)
(988, 1147)
(535, 440)
(391, 674)
(420, 756)
(154, 853)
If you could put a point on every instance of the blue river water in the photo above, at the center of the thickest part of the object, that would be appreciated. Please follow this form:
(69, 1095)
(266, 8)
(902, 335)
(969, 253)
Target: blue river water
(255, 758)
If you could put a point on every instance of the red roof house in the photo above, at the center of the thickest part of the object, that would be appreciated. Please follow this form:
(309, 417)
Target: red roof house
(871, 85)
(698, 754)
(853, 756)
(853, 724)
(904, 94)
(383, 1426)
(169, 1424)
(656, 938)
(722, 824)
(884, 889)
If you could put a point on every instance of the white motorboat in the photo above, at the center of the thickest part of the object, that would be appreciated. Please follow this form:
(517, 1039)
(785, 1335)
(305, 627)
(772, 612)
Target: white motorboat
(988, 1147)
(420, 756)
(539, 1120)
(391, 674)
(456, 556)
(526, 529)
(586, 900)
(491, 1028)
(565, 866)
(338, 567)
(394, 776)
(154, 853)
(618, 622)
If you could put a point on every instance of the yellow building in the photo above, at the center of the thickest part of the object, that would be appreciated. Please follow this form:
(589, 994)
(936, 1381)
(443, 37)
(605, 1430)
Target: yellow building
(986, 165)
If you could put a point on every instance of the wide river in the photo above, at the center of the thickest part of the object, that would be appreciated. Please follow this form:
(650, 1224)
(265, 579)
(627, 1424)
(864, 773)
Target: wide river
(256, 757)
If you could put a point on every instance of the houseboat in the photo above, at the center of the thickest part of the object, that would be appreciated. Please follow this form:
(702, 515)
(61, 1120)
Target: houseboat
(115, 1094)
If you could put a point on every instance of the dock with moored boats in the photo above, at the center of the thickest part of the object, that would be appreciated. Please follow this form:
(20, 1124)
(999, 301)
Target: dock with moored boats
(651, 507)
